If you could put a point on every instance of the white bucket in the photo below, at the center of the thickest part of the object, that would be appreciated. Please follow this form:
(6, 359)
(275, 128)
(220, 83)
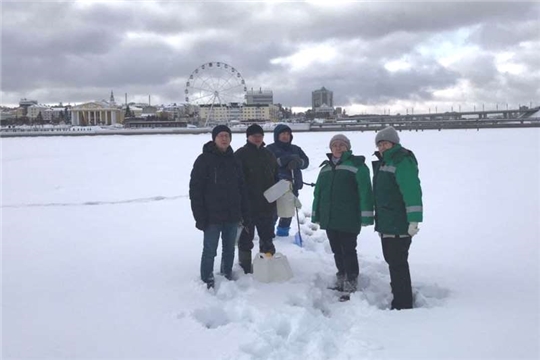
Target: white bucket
(286, 205)
(277, 190)
(268, 269)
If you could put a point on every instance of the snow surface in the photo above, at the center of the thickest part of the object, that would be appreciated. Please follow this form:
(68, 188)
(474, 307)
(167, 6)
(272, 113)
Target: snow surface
(101, 257)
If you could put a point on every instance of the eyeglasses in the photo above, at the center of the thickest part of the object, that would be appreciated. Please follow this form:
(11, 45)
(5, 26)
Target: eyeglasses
(338, 145)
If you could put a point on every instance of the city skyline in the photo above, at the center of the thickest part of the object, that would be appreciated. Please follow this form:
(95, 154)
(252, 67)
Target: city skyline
(376, 57)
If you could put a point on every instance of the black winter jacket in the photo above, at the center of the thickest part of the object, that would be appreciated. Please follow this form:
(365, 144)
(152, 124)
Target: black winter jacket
(217, 189)
(260, 170)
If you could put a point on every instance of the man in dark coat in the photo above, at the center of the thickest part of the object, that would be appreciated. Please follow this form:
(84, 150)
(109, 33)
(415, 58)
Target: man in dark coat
(219, 201)
(291, 160)
(260, 169)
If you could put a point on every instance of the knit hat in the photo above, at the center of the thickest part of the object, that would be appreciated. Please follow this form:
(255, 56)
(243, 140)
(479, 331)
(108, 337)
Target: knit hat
(218, 129)
(254, 129)
(342, 138)
(387, 134)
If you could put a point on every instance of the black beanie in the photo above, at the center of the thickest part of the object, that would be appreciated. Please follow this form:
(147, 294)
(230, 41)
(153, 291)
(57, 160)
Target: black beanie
(218, 129)
(254, 129)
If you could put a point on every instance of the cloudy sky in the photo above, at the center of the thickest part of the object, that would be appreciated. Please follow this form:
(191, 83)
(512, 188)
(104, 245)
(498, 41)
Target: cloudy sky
(375, 56)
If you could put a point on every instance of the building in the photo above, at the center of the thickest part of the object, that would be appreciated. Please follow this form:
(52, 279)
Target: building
(324, 111)
(214, 114)
(34, 110)
(56, 113)
(322, 97)
(25, 104)
(268, 112)
(238, 112)
(96, 113)
(260, 97)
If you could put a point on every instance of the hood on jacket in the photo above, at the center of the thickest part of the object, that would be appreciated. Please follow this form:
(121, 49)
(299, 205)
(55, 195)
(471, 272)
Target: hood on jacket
(279, 129)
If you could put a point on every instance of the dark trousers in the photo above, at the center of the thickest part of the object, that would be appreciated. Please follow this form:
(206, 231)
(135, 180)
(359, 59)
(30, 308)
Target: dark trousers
(265, 229)
(343, 246)
(396, 254)
(210, 245)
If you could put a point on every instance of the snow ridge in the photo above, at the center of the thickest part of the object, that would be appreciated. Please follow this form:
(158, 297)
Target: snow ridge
(94, 203)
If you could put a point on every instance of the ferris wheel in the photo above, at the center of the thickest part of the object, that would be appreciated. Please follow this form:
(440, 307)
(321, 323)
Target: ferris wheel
(214, 84)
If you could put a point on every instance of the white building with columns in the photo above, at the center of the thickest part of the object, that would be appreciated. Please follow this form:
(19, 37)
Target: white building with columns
(96, 113)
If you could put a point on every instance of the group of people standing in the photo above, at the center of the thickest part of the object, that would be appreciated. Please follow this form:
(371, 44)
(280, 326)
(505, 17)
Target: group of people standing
(226, 189)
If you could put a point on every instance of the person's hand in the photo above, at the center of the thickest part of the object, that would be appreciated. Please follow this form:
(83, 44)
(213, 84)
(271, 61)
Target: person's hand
(294, 163)
(413, 229)
(286, 160)
(201, 225)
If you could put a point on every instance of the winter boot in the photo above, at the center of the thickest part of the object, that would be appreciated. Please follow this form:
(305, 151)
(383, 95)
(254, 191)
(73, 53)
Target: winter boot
(210, 283)
(244, 258)
(338, 284)
(282, 231)
(350, 285)
(267, 247)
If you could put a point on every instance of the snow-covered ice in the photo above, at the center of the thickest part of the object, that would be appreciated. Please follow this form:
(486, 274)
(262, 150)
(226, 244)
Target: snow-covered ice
(100, 257)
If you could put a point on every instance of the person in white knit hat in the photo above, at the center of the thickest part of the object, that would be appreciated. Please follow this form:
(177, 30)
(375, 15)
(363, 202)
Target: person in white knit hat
(398, 210)
(342, 204)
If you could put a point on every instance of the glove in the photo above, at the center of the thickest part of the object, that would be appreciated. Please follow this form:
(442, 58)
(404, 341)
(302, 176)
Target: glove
(294, 163)
(413, 229)
(201, 225)
(286, 159)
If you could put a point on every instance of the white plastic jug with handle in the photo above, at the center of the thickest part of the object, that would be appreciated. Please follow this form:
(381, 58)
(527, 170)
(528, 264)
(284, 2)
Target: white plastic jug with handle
(268, 269)
(286, 205)
(277, 190)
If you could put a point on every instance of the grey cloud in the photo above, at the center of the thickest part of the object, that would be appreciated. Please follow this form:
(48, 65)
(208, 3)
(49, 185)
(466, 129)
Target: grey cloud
(496, 36)
(84, 51)
(479, 69)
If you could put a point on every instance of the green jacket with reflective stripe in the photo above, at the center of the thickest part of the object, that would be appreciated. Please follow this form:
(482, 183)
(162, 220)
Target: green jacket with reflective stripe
(343, 198)
(397, 191)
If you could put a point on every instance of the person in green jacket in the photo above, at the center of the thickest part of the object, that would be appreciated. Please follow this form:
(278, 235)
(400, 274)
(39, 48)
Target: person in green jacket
(398, 210)
(342, 204)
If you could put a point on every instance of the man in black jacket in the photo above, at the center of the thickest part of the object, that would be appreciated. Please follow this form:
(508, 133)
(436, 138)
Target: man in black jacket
(218, 201)
(260, 170)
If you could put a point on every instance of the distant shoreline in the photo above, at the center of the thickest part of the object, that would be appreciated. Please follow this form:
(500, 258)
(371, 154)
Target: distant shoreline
(296, 127)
